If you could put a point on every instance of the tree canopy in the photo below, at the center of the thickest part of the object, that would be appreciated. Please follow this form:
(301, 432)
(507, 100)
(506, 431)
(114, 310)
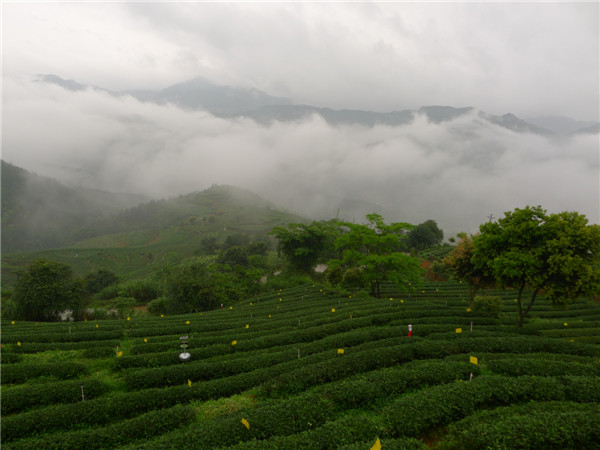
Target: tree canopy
(554, 253)
(194, 287)
(305, 245)
(373, 253)
(45, 289)
(424, 235)
(460, 263)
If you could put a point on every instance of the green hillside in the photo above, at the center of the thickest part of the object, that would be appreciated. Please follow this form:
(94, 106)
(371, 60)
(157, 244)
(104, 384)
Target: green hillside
(309, 368)
(39, 212)
(149, 235)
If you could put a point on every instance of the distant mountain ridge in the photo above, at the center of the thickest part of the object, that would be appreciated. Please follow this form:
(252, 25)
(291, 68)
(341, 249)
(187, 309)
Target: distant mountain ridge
(198, 93)
(231, 102)
(564, 125)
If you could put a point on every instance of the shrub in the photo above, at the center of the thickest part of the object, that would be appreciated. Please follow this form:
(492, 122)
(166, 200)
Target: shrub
(22, 372)
(125, 306)
(21, 398)
(533, 425)
(413, 414)
(141, 290)
(157, 306)
(541, 367)
(346, 430)
(488, 304)
(144, 426)
(108, 292)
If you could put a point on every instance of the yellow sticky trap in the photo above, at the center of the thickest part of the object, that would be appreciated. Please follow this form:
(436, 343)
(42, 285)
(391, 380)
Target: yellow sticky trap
(401, 301)
(189, 383)
(340, 351)
(332, 309)
(145, 339)
(162, 315)
(119, 354)
(250, 303)
(247, 325)
(231, 307)
(458, 330)
(233, 342)
(473, 359)
(269, 316)
(571, 340)
(19, 344)
(129, 318)
(13, 322)
(391, 299)
(187, 322)
(245, 423)
(279, 299)
(96, 325)
(376, 445)
(468, 309)
(565, 324)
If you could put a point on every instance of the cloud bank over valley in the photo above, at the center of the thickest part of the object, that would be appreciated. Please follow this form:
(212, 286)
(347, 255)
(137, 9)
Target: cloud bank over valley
(455, 171)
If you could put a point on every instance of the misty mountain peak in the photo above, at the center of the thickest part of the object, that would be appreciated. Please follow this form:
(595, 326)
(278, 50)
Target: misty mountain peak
(70, 85)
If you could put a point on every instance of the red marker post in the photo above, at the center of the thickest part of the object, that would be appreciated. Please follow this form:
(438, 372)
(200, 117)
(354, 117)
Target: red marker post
(410, 330)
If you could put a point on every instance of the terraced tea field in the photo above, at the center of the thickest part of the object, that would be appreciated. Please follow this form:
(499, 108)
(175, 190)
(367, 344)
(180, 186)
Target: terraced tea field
(309, 368)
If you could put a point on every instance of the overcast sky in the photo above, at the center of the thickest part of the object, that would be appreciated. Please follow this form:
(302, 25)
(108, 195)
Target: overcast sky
(533, 59)
(530, 59)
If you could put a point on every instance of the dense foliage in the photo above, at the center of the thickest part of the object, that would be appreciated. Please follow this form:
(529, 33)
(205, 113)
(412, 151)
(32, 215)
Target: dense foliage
(555, 253)
(45, 290)
(372, 254)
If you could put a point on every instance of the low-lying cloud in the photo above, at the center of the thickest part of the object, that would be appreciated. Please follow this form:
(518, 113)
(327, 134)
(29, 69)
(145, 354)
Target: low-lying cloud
(456, 172)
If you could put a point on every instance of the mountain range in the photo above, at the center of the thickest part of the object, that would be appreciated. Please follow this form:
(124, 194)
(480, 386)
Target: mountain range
(233, 101)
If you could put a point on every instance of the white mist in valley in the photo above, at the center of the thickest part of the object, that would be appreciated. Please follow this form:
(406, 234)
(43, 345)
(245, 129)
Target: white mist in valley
(456, 172)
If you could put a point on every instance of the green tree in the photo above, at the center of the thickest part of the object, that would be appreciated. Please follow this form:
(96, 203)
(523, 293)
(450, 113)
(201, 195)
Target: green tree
(96, 281)
(305, 245)
(259, 248)
(209, 245)
(236, 240)
(234, 256)
(530, 249)
(45, 289)
(460, 263)
(377, 251)
(424, 235)
(194, 287)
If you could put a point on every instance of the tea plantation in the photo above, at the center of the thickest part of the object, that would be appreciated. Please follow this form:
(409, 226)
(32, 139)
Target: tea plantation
(309, 368)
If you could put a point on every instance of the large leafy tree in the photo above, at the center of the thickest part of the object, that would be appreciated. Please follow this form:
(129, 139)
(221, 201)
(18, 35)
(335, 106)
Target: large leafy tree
(533, 251)
(194, 287)
(424, 235)
(98, 280)
(374, 252)
(460, 263)
(45, 289)
(305, 245)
